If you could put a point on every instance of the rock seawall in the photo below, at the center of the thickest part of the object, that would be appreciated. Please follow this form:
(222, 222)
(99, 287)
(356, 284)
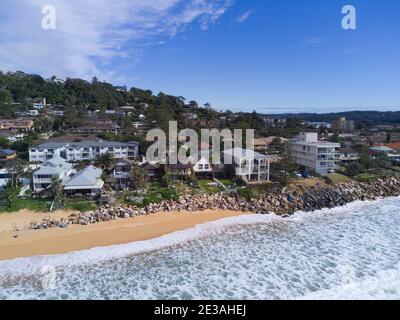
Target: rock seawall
(284, 203)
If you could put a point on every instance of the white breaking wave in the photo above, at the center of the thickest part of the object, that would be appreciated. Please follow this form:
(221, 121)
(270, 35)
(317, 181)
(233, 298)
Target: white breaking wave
(350, 252)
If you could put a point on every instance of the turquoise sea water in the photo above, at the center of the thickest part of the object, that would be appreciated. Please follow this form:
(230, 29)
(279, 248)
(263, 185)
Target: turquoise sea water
(351, 252)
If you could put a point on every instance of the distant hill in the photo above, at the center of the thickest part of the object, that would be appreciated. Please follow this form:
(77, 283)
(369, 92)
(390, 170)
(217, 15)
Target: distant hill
(370, 117)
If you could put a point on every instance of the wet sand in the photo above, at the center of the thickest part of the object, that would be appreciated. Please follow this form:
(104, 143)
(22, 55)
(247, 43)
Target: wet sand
(75, 238)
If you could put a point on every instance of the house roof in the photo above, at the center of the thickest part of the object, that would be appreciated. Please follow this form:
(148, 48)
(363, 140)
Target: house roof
(88, 178)
(267, 141)
(395, 145)
(7, 152)
(348, 150)
(381, 149)
(86, 144)
(53, 166)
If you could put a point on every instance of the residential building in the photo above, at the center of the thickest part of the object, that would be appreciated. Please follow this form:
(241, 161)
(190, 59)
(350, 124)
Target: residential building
(122, 173)
(321, 157)
(384, 150)
(28, 113)
(16, 124)
(180, 171)
(11, 135)
(86, 181)
(203, 168)
(343, 125)
(319, 125)
(263, 144)
(348, 155)
(94, 127)
(5, 177)
(7, 155)
(153, 171)
(53, 168)
(247, 164)
(85, 150)
(40, 105)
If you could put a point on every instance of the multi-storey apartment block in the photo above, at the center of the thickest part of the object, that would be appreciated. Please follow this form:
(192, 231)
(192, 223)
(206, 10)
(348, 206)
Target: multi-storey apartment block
(321, 157)
(81, 151)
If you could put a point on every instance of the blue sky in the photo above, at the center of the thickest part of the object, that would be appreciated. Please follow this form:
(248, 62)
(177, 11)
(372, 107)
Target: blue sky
(269, 56)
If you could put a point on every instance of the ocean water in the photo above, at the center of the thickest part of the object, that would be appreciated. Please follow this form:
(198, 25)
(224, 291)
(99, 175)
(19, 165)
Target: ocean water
(352, 252)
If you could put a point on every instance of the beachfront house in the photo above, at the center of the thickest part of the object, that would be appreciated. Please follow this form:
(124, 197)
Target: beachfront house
(122, 173)
(86, 181)
(247, 164)
(54, 168)
(321, 157)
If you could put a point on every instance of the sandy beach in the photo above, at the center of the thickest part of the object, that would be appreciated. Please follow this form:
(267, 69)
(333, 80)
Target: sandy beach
(76, 237)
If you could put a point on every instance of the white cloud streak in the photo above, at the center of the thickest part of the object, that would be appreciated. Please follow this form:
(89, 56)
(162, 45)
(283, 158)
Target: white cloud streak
(92, 34)
(244, 16)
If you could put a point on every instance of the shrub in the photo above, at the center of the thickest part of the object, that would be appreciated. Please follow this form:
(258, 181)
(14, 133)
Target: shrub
(247, 193)
(365, 177)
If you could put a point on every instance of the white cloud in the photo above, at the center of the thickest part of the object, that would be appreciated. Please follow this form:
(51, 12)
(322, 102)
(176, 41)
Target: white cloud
(244, 16)
(92, 34)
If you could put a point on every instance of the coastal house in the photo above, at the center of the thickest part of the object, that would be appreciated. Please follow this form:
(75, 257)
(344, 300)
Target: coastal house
(84, 150)
(348, 155)
(11, 135)
(247, 164)
(203, 167)
(180, 171)
(7, 155)
(86, 181)
(5, 177)
(263, 144)
(153, 171)
(377, 151)
(53, 168)
(16, 124)
(122, 173)
(321, 157)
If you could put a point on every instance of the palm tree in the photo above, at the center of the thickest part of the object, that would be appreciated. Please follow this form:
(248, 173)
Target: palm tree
(105, 161)
(17, 168)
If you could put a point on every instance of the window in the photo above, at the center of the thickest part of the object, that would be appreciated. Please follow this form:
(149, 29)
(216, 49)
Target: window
(201, 167)
(206, 166)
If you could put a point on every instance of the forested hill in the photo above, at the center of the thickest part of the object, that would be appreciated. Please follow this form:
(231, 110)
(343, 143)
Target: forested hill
(370, 117)
(18, 90)
(22, 88)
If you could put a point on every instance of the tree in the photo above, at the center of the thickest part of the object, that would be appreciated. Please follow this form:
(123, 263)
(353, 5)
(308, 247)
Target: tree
(16, 168)
(388, 137)
(105, 161)
(8, 196)
(138, 177)
(4, 143)
(57, 192)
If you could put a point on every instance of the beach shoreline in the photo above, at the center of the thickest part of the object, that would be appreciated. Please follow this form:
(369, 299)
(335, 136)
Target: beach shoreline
(28, 243)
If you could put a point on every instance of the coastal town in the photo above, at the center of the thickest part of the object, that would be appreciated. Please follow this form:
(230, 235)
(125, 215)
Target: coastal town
(84, 155)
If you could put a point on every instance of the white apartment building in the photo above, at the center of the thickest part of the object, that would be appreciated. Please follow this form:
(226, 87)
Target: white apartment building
(247, 164)
(54, 168)
(321, 157)
(81, 151)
